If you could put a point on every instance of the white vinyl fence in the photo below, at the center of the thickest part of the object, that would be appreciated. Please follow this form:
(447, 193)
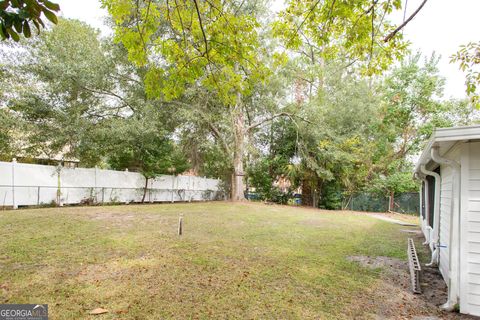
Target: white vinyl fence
(30, 184)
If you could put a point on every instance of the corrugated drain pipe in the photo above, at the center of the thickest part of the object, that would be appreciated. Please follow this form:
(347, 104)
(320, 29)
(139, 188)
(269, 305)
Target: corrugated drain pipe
(454, 256)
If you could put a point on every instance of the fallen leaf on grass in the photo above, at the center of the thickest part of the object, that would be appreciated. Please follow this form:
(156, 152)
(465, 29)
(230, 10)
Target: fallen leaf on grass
(98, 311)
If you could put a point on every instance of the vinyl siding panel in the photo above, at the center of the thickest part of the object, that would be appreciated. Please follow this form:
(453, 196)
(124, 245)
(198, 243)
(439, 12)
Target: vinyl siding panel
(447, 198)
(445, 209)
(470, 251)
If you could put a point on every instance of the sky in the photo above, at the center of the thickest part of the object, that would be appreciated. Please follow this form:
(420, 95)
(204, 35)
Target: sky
(440, 27)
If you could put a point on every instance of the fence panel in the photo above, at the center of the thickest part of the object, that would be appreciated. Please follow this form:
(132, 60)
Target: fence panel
(368, 202)
(408, 202)
(28, 184)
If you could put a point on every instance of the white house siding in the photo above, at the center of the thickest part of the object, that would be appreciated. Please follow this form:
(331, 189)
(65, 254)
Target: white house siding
(446, 194)
(470, 232)
(445, 210)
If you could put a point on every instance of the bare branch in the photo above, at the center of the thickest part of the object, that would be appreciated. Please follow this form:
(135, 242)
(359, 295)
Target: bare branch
(400, 27)
(140, 31)
(181, 23)
(112, 94)
(201, 28)
(216, 133)
(304, 20)
(277, 115)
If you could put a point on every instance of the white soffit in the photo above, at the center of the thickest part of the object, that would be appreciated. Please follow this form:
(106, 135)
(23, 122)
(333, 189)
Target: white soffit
(445, 139)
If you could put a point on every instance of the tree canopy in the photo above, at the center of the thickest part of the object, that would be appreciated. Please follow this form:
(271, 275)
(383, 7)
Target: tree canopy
(323, 97)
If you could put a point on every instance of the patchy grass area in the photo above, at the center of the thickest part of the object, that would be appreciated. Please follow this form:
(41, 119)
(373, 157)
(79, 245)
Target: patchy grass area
(233, 261)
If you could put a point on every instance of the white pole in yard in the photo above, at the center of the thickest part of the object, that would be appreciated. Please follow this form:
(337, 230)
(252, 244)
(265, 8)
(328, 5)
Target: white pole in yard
(205, 185)
(59, 185)
(95, 184)
(180, 225)
(126, 173)
(14, 204)
(173, 188)
(189, 192)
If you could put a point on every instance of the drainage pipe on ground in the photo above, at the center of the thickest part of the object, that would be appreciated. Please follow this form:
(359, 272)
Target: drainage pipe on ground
(434, 239)
(454, 245)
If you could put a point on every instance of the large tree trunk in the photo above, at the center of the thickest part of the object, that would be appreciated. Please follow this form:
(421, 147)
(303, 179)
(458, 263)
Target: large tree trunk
(391, 202)
(145, 189)
(307, 193)
(239, 149)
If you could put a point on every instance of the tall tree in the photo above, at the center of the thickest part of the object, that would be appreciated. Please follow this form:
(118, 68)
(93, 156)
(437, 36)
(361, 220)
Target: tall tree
(60, 86)
(216, 44)
(85, 99)
(412, 109)
(334, 30)
(143, 144)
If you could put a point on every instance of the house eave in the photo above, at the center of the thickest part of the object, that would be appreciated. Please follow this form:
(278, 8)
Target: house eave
(445, 138)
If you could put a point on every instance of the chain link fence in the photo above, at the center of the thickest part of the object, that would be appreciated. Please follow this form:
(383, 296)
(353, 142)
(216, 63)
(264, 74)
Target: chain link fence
(408, 202)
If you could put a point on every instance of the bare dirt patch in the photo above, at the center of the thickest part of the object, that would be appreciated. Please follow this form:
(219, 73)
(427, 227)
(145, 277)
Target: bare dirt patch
(392, 298)
(95, 273)
(127, 219)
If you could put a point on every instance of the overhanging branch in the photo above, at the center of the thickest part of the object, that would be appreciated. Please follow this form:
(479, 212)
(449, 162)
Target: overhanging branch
(400, 27)
(277, 115)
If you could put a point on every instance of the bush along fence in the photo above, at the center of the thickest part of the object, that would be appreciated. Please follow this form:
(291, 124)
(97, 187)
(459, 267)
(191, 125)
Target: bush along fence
(30, 185)
(408, 202)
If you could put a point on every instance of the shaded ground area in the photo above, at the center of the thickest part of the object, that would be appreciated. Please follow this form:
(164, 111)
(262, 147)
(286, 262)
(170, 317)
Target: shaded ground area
(394, 299)
(234, 261)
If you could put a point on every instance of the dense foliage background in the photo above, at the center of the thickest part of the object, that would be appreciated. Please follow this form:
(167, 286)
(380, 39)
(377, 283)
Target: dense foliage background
(231, 90)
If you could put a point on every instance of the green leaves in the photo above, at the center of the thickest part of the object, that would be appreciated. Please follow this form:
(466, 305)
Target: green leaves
(468, 58)
(217, 46)
(16, 16)
(13, 34)
(50, 16)
(26, 29)
(51, 5)
(353, 30)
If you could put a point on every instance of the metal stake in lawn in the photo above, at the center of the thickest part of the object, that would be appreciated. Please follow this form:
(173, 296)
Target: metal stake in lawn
(180, 225)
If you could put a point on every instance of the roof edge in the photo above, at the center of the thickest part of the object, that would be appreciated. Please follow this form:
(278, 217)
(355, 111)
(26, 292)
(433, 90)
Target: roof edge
(452, 134)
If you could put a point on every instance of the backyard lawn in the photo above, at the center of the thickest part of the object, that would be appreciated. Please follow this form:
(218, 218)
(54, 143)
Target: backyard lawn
(242, 260)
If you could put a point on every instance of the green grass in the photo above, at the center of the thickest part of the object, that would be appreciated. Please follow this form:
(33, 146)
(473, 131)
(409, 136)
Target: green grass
(234, 260)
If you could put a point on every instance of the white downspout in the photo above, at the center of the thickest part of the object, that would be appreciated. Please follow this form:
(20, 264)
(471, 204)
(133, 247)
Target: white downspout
(418, 176)
(434, 240)
(454, 256)
(426, 204)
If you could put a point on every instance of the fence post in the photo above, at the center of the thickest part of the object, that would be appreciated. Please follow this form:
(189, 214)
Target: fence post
(126, 173)
(194, 192)
(59, 186)
(95, 184)
(173, 188)
(38, 195)
(188, 192)
(205, 187)
(14, 163)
